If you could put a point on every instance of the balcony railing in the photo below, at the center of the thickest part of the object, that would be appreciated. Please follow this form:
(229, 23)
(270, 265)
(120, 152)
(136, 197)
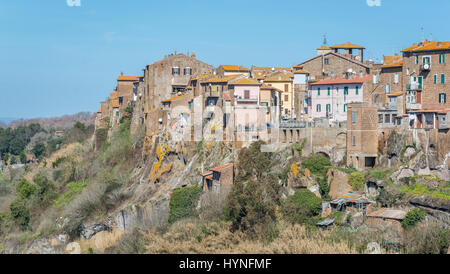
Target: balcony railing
(410, 106)
(414, 86)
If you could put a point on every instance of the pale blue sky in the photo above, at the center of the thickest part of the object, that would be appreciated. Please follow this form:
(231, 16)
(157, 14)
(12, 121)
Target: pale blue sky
(56, 59)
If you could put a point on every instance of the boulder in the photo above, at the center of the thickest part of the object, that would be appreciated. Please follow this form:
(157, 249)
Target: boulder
(429, 202)
(73, 248)
(409, 152)
(87, 231)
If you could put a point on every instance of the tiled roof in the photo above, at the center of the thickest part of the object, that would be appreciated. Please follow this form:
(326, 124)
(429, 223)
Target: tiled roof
(324, 48)
(225, 79)
(129, 78)
(301, 71)
(234, 68)
(347, 45)
(428, 45)
(279, 77)
(392, 61)
(172, 99)
(218, 169)
(268, 68)
(341, 80)
(393, 65)
(246, 82)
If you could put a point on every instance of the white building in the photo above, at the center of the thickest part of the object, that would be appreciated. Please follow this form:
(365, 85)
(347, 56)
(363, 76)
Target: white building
(329, 97)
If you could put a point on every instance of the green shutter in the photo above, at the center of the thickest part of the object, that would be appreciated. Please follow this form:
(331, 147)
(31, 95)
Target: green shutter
(442, 78)
(440, 58)
(329, 91)
(328, 108)
(443, 58)
(357, 91)
(417, 59)
(318, 91)
(345, 90)
(345, 107)
(435, 79)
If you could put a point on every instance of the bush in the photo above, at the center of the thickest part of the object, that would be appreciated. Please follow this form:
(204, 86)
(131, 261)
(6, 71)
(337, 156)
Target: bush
(413, 217)
(253, 162)
(430, 239)
(74, 189)
(44, 186)
(24, 189)
(130, 243)
(183, 203)
(300, 207)
(356, 180)
(252, 206)
(20, 212)
(317, 164)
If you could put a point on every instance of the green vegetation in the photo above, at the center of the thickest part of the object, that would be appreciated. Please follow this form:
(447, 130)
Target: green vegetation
(318, 164)
(356, 180)
(183, 203)
(422, 190)
(302, 207)
(413, 217)
(25, 189)
(74, 189)
(14, 141)
(20, 213)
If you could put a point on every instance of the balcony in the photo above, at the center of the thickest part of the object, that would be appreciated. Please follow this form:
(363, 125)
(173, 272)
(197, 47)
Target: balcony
(425, 67)
(241, 99)
(413, 106)
(212, 93)
(414, 86)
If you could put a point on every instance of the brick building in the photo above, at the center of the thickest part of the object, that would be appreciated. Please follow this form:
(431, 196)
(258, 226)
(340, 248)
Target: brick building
(218, 179)
(362, 135)
(426, 76)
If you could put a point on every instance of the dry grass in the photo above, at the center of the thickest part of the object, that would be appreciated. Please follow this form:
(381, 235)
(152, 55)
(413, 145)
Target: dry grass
(215, 238)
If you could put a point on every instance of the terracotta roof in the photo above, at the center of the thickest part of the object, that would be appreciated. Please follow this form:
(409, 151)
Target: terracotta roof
(246, 82)
(129, 78)
(172, 99)
(428, 45)
(99, 110)
(269, 87)
(301, 71)
(324, 48)
(392, 61)
(347, 45)
(393, 65)
(206, 173)
(268, 68)
(218, 169)
(206, 75)
(300, 66)
(115, 103)
(234, 68)
(395, 94)
(225, 79)
(341, 80)
(279, 77)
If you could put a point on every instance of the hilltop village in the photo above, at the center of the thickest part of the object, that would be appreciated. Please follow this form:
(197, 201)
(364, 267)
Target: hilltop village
(337, 154)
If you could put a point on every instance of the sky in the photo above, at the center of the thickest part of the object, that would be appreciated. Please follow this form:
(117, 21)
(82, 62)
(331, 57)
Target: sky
(63, 56)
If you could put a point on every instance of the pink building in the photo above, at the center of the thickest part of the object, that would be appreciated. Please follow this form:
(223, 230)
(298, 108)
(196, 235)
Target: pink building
(329, 97)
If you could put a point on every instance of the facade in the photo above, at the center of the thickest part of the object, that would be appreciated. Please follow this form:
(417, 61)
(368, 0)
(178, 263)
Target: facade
(301, 81)
(362, 135)
(330, 97)
(283, 81)
(126, 89)
(218, 179)
(426, 75)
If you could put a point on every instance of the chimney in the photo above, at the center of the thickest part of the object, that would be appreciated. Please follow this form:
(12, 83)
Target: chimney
(193, 55)
(121, 73)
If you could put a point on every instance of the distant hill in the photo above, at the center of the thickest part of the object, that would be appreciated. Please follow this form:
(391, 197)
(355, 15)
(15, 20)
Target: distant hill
(63, 122)
(6, 120)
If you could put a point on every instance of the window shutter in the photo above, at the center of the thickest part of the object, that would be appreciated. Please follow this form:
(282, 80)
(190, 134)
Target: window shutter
(329, 89)
(435, 79)
(318, 91)
(442, 78)
(357, 91)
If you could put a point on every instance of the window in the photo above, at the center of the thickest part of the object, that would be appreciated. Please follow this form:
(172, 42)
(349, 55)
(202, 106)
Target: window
(387, 88)
(435, 79)
(357, 90)
(426, 60)
(353, 140)
(286, 98)
(345, 107)
(175, 71)
(354, 117)
(380, 118)
(396, 78)
(416, 59)
(318, 91)
(286, 87)
(246, 94)
(387, 118)
(375, 79)
(442, 98)
(441, 58)
(375, 98)
(442, 78)
(319, 108)
(187, 71)
(329, 91)
(345, 90)
(328, 107)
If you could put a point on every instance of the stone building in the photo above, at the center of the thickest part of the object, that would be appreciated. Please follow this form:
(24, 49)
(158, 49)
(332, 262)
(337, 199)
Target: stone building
(362, 135)
(331, 62)
(426, 76)
(126, 89)
(283, 81)
(301, 81)
(218, 179)
(166, 79)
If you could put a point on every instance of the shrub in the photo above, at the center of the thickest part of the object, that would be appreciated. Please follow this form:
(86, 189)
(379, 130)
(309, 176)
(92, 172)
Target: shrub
(317, 164)
(20, 212)
(183, 203)
(44, 186)
(356, 180)
(253, 162)
(413, 217)
(430, 239)
(25, 189)
(301, 206)
(130, 243)
(253, 205)
(324, 188)
(74, 189)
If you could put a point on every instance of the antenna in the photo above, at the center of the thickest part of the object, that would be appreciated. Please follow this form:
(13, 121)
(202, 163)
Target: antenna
(423, 34)
(325, 39)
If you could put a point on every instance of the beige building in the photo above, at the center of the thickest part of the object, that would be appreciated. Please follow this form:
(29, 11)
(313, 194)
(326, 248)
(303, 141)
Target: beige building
(283, 81)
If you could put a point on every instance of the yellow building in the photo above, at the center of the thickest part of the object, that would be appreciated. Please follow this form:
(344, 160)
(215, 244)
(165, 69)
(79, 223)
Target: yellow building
(283, 81)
